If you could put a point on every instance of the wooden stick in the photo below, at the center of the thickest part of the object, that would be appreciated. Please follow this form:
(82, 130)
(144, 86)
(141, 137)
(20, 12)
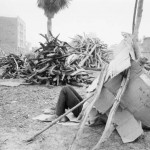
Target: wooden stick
(84, 60)
(98, 92)
(56, 120)
(109, 126)
(17, 67)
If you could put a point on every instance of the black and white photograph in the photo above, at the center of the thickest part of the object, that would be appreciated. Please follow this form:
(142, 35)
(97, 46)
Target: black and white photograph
(74, 74)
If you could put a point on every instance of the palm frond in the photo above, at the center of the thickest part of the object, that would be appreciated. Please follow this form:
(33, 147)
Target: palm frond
(52, 6)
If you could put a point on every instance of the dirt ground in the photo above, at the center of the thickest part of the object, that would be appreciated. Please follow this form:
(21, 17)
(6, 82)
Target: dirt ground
(18, 105)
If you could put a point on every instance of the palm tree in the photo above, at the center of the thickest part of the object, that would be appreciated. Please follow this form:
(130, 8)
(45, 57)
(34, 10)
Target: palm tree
(51, 7)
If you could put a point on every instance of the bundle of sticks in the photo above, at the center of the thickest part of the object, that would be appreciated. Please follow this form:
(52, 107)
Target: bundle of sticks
(56, 62)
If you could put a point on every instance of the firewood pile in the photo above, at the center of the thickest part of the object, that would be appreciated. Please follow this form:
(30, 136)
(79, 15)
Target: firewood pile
(57, 62)
(11, 65)
(93, 48)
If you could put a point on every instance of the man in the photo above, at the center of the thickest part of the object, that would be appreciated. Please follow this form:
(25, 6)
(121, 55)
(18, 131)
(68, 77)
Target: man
(68, 98)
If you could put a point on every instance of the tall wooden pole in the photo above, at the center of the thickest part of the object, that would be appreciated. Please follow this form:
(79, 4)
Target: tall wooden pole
(136, 45)
(134, 15)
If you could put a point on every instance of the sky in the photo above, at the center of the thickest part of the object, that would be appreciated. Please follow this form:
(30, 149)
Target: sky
(104, 18)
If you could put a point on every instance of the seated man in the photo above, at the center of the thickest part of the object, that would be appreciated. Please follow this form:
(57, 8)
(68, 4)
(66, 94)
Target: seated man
(68, 98)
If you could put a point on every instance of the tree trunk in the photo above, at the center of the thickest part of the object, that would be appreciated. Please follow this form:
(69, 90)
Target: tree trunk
(49, 27)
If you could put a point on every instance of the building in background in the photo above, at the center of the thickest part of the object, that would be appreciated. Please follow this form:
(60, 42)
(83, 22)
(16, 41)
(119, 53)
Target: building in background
(28, 47)
(12, 35)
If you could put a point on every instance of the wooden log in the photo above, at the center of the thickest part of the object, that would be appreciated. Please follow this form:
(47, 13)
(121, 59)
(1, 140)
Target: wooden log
(109, 126)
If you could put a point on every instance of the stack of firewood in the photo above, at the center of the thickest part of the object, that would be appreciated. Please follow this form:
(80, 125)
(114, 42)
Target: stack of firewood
(56, 62)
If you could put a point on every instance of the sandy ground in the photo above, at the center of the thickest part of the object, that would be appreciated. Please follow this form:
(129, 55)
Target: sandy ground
(18, 105)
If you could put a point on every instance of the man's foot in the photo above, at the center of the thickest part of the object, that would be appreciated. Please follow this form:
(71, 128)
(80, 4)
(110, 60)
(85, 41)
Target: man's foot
(64, 119)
